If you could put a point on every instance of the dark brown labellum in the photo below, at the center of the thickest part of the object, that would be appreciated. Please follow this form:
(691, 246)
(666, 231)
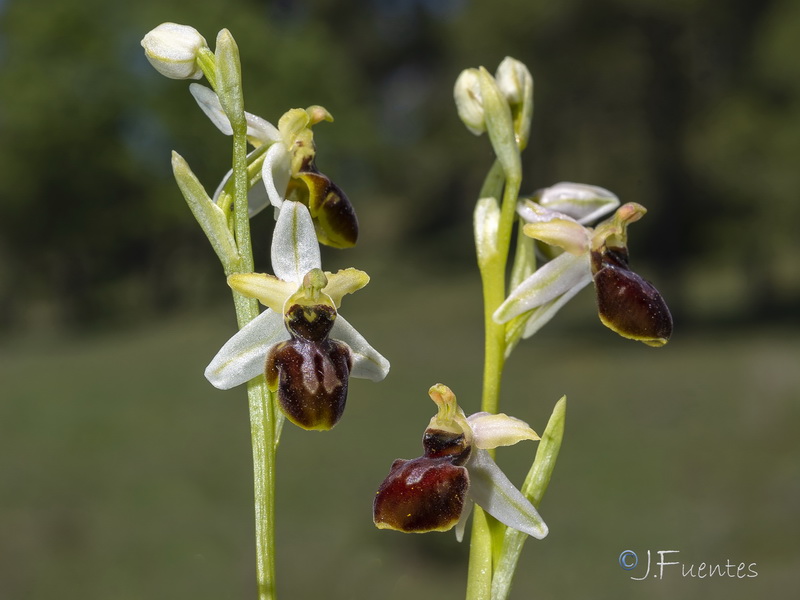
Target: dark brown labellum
(421, 495)
(628, 304)
(311, 380)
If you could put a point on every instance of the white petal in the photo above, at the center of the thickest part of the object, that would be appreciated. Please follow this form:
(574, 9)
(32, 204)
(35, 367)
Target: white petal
(276, 172)
(244, 355)
(547, 283)
(490, 430)
(493, 492)
(368, 363)
(295, 249)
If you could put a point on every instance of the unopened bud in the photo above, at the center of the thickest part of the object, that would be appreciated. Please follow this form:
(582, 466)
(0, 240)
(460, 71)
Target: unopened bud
(469, 103)
(172, 49)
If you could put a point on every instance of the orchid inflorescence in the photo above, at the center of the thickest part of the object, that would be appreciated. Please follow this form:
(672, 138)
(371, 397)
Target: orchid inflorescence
(299, 354)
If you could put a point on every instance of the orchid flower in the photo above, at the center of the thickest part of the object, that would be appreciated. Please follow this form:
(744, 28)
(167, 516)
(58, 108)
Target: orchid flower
(627, 304)
(284, 160)
(308, 350)
(435, 492)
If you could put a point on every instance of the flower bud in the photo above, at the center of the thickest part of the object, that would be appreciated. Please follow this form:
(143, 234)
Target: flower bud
(172, 49)
(516, 83)
(469, 103)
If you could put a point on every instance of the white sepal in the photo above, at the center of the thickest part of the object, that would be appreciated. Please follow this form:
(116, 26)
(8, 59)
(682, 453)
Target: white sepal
(295, 250)
(368, 363)
(580, 201)
(244, 355)
(492, 491)
(547, 283)
(259, 131)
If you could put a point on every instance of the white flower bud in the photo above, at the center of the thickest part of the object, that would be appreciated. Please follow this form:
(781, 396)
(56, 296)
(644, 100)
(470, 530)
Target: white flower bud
(172, 50)
(516, 84)
(514, 80)
(469, 102)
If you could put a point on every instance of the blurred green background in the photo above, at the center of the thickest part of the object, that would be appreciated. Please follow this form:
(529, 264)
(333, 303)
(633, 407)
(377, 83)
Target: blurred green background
(125, 475)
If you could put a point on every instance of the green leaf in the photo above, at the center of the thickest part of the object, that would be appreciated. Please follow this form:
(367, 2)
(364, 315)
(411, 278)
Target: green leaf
(211, 217)
(534, 488)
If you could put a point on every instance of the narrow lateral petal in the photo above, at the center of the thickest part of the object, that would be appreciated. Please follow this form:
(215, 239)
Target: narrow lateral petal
(269, 290)
(368, 363)
(244, 355)
(491, 431)
(547, 283)
(295, 250)
(564, 233)
(493, 492)
(344, 282)
(276, 172)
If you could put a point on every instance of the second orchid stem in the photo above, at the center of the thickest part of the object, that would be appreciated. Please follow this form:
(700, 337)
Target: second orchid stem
(493, 278)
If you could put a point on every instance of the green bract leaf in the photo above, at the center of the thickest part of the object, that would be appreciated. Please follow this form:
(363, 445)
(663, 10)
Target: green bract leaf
(211, 218)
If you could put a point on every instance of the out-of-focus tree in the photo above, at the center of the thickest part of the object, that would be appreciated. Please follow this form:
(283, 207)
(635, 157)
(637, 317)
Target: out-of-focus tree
(691, 108)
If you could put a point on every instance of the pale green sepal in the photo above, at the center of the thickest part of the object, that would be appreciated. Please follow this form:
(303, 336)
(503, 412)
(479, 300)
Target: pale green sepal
(368, 363)
(495, 430)
(547, 283)
(243, 357)
(486, 221)
(492, 491)
(343, 282)
(211, 217)
(268, 289)
(295, 250)
(229, 80)
(580, 201)
(534, 488)
(500, 126)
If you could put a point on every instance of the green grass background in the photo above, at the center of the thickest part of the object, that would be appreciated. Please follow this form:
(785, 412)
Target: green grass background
(125, 475)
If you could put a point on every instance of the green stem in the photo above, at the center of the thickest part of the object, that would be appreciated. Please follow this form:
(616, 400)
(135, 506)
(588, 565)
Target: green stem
(261, 405)
(493, 277)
